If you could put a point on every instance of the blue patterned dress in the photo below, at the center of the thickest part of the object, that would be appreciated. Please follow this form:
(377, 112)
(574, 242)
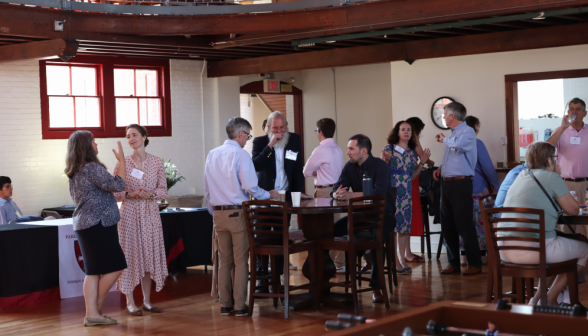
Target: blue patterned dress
(401, 166)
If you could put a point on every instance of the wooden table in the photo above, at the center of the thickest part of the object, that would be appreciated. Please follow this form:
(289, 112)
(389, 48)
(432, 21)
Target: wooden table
(575, 220)
(520, 320)
(316, 217)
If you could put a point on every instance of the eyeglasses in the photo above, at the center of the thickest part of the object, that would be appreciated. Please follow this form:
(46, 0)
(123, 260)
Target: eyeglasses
(555, 156)
(316, 131)
(249, 136)
(10, 186)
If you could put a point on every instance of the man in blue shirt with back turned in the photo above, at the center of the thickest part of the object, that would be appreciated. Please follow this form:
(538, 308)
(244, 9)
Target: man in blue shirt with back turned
(456, 173)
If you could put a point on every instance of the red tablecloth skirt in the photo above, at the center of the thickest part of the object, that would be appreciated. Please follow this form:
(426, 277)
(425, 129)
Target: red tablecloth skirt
(416, 227)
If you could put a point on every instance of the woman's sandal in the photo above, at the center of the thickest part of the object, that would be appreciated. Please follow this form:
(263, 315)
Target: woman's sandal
(154, 310)
(137, 312)
(417, 259)
(90, 322)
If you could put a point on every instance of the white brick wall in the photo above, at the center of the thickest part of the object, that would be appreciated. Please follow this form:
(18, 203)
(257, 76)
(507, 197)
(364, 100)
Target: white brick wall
(36, 166)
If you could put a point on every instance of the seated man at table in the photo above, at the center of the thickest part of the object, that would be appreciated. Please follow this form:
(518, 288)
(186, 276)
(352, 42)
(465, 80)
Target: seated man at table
(361, 161)
(8, 209)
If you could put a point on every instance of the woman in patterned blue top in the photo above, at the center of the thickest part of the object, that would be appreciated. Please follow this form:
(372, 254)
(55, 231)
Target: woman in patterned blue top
(95, 219)
(404, 168)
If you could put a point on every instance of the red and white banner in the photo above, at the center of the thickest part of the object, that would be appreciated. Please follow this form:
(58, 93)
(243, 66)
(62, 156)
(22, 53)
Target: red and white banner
(71, 261)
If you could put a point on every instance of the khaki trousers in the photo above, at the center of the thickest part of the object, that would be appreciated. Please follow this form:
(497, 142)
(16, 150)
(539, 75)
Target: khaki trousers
(337, 256)
(580, 189)
(233, 255)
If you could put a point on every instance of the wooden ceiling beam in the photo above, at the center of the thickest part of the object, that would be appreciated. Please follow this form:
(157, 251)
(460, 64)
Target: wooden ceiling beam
(38, 22)
(14, 52)
(240, 53)
(546, 37)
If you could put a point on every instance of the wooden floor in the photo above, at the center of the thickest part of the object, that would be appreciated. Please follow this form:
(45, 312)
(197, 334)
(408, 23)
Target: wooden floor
(189, 308)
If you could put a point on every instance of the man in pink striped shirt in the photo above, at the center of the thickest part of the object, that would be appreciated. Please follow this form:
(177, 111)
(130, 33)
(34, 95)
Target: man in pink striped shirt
(326, 161)
(571, 141)
(325, 164)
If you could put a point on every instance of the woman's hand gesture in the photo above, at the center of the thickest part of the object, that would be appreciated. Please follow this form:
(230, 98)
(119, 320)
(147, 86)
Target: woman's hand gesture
(425, 155)
(120, 155)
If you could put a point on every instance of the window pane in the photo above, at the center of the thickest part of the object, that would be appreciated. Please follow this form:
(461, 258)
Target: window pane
(87, 112)
(126, 112)
(83, 81)
(57, 80)
(146, 83)
(124, 82)
(61, 112)
(150, 110)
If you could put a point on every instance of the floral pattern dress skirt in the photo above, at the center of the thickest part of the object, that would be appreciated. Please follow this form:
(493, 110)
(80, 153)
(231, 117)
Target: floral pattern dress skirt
(401, 165)
(478, 222)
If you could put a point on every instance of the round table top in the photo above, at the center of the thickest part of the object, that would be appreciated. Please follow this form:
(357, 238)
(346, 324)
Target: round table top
(317, 206)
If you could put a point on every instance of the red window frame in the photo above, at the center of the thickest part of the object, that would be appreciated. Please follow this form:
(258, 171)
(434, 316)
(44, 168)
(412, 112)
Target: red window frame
(105, 87)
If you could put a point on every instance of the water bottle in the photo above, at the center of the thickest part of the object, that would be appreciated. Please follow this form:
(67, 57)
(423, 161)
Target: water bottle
(368, 186)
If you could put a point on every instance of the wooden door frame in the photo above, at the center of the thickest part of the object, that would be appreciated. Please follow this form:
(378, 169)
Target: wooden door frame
(257, 88)
(511, 98)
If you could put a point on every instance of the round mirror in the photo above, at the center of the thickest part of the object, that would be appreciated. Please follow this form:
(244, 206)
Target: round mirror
(437, 111)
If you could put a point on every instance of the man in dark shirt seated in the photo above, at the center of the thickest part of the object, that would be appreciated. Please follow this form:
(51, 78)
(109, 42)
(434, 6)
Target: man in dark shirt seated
(362, 161)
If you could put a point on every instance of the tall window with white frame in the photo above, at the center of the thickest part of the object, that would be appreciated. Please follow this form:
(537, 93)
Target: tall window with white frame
(74, 96)
(138, 100)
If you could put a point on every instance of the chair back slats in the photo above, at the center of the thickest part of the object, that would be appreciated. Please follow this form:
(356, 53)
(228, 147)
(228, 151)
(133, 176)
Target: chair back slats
(364, 210)
(515, 229)
(517, 234)
(530, 239)
(519, 248)
(266, 219)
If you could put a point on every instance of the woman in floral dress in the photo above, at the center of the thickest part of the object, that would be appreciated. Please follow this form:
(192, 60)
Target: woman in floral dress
(141, 235)
(404, 168)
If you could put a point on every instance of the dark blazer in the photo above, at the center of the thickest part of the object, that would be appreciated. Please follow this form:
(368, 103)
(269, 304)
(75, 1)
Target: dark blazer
(264, 160)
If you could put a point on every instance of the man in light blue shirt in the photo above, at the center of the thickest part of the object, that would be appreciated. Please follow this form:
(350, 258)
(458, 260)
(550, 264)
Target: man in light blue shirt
(229, 180)
(8, 209)
(456, 174)
(508, 181)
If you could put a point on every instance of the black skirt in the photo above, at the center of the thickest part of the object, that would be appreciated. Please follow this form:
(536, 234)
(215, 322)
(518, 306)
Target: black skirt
(101, 250)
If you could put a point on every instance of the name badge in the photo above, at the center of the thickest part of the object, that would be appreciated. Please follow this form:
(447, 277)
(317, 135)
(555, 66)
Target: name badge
(290, 155)
(575, 140)
(399, 149)
(137, 173)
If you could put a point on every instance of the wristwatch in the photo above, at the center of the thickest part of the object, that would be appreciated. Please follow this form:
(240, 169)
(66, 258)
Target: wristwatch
(127, 194)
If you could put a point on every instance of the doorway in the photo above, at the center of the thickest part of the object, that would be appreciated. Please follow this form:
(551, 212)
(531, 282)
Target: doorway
(256, 106)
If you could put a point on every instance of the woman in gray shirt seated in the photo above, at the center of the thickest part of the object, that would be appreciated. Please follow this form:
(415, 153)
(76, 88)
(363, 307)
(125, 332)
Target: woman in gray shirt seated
(526, 193)
(95, 220)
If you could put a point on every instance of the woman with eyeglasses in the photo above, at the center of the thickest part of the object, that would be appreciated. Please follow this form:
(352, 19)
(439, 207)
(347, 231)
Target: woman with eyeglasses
(525, 192)
(141, 235)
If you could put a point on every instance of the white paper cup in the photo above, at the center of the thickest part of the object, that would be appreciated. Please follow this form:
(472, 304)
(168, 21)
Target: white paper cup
(295, 198)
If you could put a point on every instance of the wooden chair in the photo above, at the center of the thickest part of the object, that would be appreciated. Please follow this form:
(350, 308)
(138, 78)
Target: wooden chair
(390, 266)
(260, 217)
(363, 213)
(517, 288)
(524, 271)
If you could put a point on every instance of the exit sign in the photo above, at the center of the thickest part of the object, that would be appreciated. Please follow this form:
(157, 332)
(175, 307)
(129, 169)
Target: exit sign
(271, 85)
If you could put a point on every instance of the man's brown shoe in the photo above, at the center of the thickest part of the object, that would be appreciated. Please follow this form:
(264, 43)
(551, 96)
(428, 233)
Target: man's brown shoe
(377, 296)
(449, 270)
(471, 271)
